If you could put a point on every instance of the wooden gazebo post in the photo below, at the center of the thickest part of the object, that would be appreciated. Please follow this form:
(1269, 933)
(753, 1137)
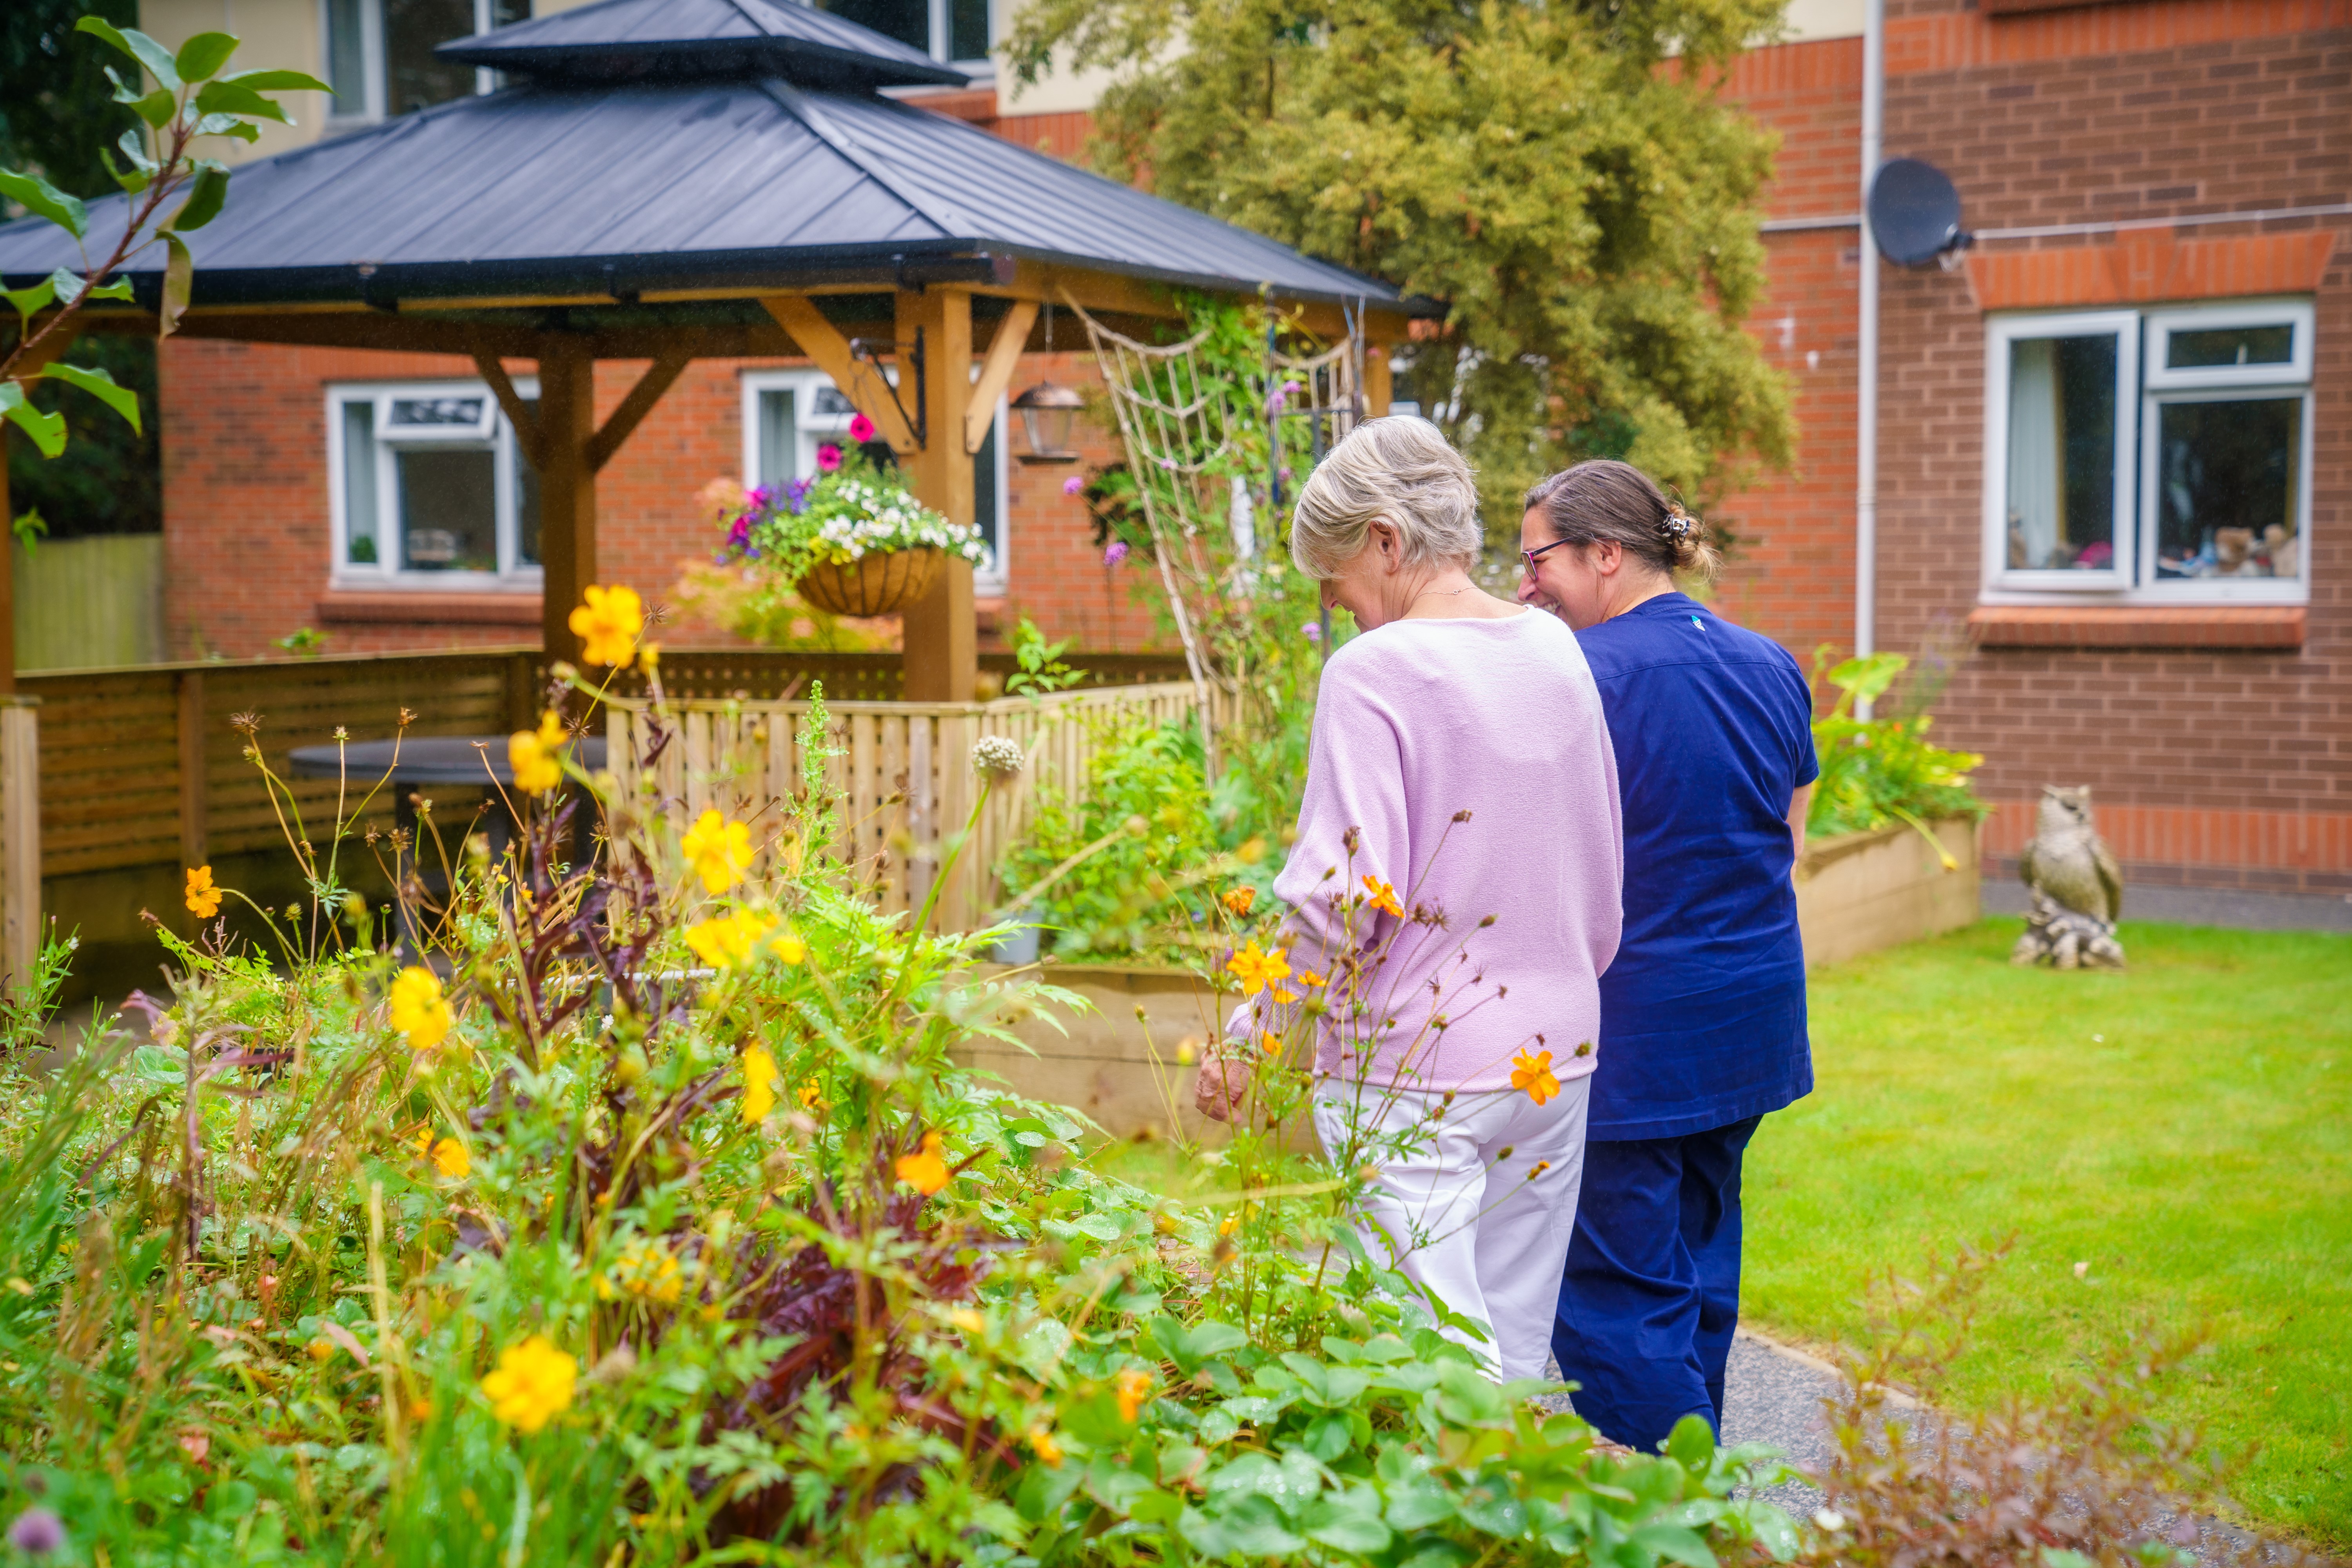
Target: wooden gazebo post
(942, 634)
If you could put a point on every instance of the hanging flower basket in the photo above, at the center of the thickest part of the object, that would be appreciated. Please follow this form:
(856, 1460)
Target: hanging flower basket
(849, 541)
(879, 583)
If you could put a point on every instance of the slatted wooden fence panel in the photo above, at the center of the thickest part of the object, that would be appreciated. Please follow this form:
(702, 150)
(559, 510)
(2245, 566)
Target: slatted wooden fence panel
(903, 776)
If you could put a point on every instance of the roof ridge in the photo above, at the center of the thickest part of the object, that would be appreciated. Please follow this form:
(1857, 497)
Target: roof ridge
(950, 223)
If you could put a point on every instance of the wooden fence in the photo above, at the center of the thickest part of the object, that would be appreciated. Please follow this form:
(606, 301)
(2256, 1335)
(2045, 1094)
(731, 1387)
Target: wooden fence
(903, 775)
(85, 602)
(112, 769)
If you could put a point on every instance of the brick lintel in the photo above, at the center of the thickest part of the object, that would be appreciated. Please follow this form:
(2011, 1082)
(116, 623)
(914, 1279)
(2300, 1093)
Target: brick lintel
(2167, 627)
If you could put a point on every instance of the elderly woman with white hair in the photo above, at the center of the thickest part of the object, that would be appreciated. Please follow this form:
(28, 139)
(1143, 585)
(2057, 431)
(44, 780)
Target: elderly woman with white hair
(1456, 874)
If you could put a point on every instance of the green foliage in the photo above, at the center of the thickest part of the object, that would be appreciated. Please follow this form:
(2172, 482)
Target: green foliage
(1566, 178)
(1118, 874)
(190, 100)
(1039, 666)
(1879, 772)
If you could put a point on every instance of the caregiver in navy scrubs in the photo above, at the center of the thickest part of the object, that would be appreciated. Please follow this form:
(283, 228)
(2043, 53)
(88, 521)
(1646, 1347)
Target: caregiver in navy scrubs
(1703, 1011)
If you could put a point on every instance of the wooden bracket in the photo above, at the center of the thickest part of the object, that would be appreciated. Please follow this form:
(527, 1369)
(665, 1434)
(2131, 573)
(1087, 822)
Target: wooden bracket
(636, 405)
(520, 413)
(860, 382)
(996, 372)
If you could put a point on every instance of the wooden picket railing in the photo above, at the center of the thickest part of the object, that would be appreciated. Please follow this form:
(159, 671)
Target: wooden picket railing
(111, 769)
(902, 774)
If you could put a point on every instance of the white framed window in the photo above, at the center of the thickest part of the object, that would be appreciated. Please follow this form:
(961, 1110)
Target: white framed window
(2150, 457)
(959, 31)
(788, 414)
(380, 57)
(427, 489)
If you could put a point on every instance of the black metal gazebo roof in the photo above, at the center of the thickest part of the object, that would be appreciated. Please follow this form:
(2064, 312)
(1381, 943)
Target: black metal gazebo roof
(663, 145)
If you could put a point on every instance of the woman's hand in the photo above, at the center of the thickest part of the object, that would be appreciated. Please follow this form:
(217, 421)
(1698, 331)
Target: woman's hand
(1219, 1087)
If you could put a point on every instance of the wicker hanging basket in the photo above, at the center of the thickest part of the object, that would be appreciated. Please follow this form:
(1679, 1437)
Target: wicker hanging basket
(882, 583)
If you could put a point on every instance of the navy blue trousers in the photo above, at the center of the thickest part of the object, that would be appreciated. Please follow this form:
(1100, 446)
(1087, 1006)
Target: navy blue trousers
(1650, 1294)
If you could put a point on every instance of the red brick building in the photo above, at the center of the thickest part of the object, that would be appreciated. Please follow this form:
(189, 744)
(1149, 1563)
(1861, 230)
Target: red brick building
(2115, 451)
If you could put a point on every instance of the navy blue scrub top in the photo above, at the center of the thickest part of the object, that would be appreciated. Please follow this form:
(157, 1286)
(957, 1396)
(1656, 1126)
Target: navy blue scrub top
(1703, 1011)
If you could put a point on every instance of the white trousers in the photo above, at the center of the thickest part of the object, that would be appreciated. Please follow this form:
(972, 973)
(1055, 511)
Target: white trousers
(1461, 1218)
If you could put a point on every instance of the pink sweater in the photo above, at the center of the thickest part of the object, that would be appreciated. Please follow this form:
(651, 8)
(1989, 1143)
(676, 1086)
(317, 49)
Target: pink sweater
(1416, 722)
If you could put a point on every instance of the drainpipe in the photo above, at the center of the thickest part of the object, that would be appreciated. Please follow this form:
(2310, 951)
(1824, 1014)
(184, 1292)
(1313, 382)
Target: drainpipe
(1865, 423)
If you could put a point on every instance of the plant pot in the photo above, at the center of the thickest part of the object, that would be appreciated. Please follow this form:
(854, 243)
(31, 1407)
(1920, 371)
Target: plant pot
(1020, 947)
(877, 584)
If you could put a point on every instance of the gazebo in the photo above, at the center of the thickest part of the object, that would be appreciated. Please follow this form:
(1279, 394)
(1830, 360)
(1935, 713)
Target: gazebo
(663, 180)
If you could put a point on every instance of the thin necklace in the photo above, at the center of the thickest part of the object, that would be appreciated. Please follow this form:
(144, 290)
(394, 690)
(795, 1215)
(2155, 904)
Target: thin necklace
(1442, 593)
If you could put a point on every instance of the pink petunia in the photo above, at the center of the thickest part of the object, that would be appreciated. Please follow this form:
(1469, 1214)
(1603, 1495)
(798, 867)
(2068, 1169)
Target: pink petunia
(861, 429)
(1073, 485)
(828, 457)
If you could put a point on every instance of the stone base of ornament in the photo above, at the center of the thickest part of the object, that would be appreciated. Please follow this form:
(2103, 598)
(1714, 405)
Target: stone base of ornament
(877, 584)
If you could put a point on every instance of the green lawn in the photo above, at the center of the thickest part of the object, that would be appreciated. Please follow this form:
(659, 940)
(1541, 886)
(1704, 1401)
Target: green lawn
(2185, 1127)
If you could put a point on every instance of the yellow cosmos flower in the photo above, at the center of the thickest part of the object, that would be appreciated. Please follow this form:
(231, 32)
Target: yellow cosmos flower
(537, 756)
(788, 947)
(646, 1270)
(1533, 1073)
(1311, 978)
(1268, 1042)
(924, 1170)
(1381, 896)
(533, 1383)
(717, 851)
(1134, 1388)
(1258, 970)
(203, 899)
(811, 1097)
(760, 1080)
(1042, 1443)
(726, 940)
(608, 625)
(419, 1010)
(449, 1157)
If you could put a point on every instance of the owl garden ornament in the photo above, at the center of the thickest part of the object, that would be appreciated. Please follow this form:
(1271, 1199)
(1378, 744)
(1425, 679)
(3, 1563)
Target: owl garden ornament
(2078, 890)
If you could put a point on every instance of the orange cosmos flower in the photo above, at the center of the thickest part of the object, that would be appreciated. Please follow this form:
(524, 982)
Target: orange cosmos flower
(1381, 896)
(1533, 1073)
(1256, 969)
(203, 899)
(924, 1170)
(1134, 1388)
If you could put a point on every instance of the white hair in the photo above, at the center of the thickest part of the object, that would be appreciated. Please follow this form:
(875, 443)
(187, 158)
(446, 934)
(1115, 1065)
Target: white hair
(1397, 470)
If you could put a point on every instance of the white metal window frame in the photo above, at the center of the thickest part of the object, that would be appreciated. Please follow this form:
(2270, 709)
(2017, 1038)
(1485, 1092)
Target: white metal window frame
(2001, 332)
(2293, 590)
(988, 579)
(512, 576)
(372, 59)
(2296, 314)
(2146, 342)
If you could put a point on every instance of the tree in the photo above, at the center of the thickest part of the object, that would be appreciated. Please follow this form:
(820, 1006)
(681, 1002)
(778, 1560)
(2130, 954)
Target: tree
(191, 99)
(1562, 175)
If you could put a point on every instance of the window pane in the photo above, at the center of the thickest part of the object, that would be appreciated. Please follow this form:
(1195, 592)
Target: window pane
(967, 29)
(2061, 453)
(909, 21)
(413, 78)
(437, 413)
(780, 441)
(830, 402)
(2226, 476)
(507, 13)
(346, 57)
(448, 510)
(358, 484)
(527, 502)
(2229, 345)
(983, 493)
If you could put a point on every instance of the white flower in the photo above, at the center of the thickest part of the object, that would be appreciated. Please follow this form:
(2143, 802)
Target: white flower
(997, 757)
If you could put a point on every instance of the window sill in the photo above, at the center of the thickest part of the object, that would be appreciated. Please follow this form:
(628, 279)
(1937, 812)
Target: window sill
(430, 608)
(2266, 627)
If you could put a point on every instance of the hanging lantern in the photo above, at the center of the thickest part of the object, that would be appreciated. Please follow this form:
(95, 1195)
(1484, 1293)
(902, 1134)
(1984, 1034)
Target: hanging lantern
(1047, 414)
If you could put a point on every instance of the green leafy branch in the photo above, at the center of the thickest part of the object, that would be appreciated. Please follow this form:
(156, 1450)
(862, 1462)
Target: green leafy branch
(190, 98)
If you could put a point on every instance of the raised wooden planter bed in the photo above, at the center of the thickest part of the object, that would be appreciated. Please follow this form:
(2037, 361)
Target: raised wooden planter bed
(1861, 891)
(1856, 894)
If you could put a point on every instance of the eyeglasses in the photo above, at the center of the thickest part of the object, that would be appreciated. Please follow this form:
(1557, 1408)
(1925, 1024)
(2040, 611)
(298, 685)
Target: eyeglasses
(1532, 556)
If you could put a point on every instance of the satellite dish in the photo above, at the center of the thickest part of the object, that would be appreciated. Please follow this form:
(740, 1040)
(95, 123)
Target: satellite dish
(1914, 212)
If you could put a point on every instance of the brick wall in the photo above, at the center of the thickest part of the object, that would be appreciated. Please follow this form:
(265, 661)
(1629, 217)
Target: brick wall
(245, 510)
(2208, 767)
